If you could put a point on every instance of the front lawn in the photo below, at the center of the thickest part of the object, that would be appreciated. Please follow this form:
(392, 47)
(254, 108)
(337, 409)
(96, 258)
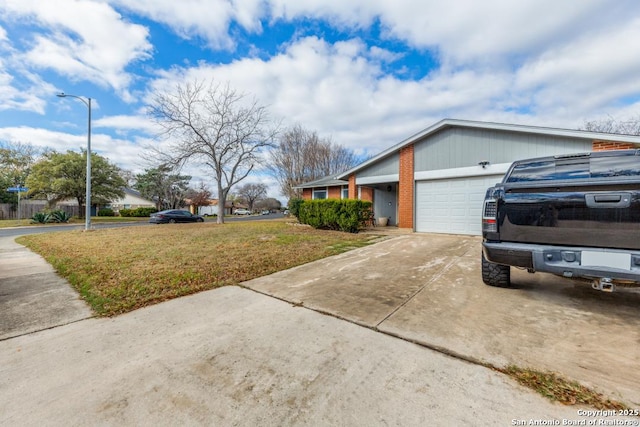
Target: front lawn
(122, 269)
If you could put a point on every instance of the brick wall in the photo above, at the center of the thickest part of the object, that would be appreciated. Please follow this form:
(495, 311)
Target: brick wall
(405, 188)
(353, 191)
(307, 193)
(366, 193)
(611, 145)
(334, 192)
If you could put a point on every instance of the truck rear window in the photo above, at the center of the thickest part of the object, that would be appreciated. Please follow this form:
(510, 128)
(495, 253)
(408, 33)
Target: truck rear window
(579, 167)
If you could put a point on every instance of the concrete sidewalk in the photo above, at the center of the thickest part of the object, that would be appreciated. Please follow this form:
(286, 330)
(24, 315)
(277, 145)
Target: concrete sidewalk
(235, 357)
(32, 296)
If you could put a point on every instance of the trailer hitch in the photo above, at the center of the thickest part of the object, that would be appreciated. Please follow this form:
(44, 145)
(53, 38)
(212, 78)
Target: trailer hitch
(604, 284)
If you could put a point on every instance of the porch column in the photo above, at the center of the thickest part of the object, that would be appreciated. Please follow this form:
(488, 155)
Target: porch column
(406, 188)
(353, 191)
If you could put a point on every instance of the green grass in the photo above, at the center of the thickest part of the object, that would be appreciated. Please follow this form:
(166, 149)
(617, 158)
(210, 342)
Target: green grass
(122, 269)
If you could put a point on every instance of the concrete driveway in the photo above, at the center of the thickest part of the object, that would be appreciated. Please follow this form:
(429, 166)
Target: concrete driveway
(427, 288)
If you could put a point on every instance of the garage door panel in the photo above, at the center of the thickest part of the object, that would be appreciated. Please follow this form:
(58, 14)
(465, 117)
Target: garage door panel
(452, 205)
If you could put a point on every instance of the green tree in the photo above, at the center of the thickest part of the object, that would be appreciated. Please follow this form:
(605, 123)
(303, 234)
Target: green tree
(60, 176)
(16, 160)
(162, 185)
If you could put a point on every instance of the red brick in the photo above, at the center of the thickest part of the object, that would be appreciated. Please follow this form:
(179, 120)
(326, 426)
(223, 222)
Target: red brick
(334, 192)
(406, 188)
(612, 145)
(366, 193)
(352, 187)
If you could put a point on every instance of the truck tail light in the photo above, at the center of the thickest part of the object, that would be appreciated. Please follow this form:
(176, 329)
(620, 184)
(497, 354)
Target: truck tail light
(490, 216)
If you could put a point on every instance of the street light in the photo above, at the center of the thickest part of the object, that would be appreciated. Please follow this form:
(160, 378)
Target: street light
(87, 214)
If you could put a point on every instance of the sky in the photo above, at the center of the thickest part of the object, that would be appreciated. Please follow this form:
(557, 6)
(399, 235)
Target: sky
(365, 73)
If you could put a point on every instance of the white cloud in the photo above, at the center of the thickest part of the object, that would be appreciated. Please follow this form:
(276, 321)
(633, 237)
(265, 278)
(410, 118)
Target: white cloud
(341, 92)
(586, 73)
(85, 40)
(206, 19)
(126, 123)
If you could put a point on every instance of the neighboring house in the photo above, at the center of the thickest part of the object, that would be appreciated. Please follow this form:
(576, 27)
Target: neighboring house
(325, 188)
(435, 180)
(132, 199)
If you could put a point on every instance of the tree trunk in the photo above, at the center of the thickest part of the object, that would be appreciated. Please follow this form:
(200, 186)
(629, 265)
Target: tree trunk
(222, 201)
(81, 204)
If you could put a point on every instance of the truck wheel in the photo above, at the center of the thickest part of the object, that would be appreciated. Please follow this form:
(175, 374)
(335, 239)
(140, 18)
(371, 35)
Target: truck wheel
(496, 274)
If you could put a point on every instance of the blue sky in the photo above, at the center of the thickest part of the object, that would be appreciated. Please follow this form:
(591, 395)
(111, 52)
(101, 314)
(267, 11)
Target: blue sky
(365, 73)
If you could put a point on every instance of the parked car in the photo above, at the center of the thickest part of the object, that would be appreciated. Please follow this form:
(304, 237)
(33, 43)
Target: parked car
(265, 212)
(242, 212)
(173, 216)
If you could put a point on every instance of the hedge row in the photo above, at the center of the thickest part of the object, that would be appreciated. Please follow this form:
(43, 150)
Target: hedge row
(137, 212)
(334, 214)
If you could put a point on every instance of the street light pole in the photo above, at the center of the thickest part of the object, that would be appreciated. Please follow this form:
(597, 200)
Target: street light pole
(87, 214)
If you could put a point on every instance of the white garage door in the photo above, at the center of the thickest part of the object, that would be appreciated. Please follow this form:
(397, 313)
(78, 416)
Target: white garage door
(452, 206)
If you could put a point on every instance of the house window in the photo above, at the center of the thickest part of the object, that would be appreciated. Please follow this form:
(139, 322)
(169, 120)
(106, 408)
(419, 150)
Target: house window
(319, 193)
(345, 191)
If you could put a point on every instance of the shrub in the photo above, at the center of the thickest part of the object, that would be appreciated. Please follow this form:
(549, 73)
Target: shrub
(106, 212)
(40, 218)
(294, 206)
(334, 214)
(142, 212)
(138, 212)
(59, 216)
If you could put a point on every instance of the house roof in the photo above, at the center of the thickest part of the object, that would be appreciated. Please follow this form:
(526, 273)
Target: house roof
(133, 192)
(327, 181)
(450, 123)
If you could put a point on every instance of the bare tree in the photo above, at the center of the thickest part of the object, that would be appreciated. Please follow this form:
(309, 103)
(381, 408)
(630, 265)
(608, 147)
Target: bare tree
(216, 126)
(629, 126)
(252, 192)
(268, 203)
(302, 156)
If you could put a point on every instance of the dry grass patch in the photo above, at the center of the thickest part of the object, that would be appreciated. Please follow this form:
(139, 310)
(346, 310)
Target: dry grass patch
(122, 269)
(555, 387)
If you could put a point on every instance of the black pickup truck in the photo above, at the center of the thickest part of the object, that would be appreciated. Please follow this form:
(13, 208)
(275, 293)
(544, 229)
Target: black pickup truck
(576, 216)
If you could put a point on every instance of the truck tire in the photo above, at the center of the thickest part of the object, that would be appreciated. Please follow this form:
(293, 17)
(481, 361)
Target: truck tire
(496, 274)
